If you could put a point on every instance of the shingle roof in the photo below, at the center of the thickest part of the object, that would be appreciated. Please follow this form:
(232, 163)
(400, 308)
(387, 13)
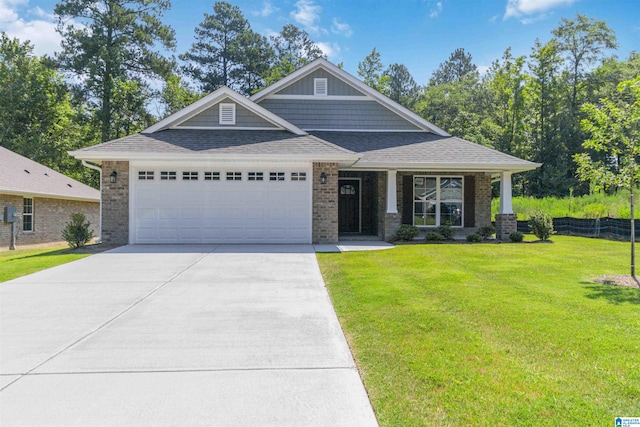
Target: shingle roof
(421, 149)
(223, 142)
(20, 175)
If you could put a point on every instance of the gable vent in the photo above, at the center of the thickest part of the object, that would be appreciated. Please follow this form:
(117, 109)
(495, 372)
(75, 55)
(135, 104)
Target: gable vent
(227, 114)
(320, 87)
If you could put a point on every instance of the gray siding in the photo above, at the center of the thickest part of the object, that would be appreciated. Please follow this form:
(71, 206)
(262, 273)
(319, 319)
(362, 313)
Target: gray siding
(335, 86)
(337, 115)
(244, 118)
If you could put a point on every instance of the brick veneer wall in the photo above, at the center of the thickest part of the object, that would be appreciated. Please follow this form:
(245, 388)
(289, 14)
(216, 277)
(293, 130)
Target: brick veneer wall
(505, 225)
(325, 204)
(115, 203)
(49, 218)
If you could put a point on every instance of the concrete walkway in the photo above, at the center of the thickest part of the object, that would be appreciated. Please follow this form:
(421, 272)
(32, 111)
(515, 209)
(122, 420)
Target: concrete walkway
(177, 336)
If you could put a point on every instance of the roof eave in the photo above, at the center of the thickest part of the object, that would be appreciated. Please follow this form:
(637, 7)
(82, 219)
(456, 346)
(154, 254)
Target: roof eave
(29, 193)
(447, 167)
(128, 156)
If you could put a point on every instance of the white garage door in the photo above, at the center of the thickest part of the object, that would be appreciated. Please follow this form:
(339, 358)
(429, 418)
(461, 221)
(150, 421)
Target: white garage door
(221, 205)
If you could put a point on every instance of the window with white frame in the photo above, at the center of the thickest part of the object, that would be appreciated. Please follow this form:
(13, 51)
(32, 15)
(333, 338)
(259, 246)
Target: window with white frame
(189, 176)
(167, 176)
(234, 176)
(212, 176)
(320, 87)
(438, 200)
(227, 114)
(145, 175)
(255, 176)
(27, 214)
(276, 176)
(298, 176)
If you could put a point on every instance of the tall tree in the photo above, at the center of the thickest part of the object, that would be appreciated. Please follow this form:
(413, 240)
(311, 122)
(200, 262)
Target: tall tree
(256, 57)
(370, 69)
(459, 66)
(104, 41)
(293, 49)
(402, 88)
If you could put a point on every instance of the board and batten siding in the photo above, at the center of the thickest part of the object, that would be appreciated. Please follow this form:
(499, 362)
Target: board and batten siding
(335, 86)
(210, 117)
(337, 114)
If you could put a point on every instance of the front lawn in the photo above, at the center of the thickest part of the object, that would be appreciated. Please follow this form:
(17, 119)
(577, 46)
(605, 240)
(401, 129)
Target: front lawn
(26, 261)
(492, 334)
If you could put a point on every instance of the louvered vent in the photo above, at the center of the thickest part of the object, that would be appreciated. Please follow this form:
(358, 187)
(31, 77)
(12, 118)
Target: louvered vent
(227, 114)
(320, 87)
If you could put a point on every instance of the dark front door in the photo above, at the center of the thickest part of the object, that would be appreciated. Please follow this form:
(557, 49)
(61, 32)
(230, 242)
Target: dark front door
(349, 205)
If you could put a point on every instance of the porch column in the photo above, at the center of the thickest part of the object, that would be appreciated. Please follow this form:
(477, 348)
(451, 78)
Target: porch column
(506, 220)
(392, 195)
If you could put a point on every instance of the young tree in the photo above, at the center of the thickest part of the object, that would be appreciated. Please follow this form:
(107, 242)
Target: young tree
(370, 69)
(402, 88)
(614, 129)
(176, 95)
(459, 66)
(104, 41)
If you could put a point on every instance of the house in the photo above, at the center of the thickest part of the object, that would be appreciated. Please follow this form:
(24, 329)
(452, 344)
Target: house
(316, 157)
(43, 200)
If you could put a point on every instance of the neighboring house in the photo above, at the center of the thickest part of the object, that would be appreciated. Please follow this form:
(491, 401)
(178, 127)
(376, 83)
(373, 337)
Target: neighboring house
(315, 157)
(43, 199)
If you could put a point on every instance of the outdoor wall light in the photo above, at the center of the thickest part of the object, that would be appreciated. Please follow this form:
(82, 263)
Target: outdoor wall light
(323, 178)
(113, 177)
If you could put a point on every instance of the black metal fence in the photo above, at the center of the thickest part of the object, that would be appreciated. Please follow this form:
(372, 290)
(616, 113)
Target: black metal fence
(607, 228)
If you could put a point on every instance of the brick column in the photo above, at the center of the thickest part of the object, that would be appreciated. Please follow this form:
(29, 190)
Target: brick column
(115, 203)
(505, 225)
(325, 203)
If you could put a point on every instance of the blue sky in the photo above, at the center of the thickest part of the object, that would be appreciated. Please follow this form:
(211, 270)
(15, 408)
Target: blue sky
(418, 33)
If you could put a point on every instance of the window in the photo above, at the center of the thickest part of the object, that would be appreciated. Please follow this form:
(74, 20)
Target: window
(234, 176)
(348, 189)
(27, 215)
(437, 200)
(189, 176)
(320, 87)
(298, 176)
(145, 175)
(167, 176)
(256, 176)
(276, 176)
(227, 114)
(212, 176)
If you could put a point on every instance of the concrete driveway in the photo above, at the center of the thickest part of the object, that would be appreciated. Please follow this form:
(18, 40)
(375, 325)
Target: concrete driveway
(177, 335)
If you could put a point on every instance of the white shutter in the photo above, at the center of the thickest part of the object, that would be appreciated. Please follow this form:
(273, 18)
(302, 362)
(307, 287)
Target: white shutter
(227, 114)
(320, 87)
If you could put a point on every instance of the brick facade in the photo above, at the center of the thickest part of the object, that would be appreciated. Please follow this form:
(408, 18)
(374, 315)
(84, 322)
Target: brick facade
(505, 225)
(49, 218)
(115, 203)
(325, 204)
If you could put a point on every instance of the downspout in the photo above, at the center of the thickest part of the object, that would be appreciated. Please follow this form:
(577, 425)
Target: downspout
(99, 169)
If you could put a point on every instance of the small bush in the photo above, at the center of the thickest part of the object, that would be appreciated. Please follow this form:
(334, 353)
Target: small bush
(407, 232)
(77, 232)
(446, 231)
(475, 237)
(541, 225)
(487, 231)
(516, 237)
(434, 236)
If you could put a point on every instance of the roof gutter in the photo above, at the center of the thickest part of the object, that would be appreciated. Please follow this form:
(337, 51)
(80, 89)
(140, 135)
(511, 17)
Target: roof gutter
(99, 169)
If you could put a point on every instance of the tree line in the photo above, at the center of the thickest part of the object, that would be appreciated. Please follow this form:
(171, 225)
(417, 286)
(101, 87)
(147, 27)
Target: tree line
(118, 62)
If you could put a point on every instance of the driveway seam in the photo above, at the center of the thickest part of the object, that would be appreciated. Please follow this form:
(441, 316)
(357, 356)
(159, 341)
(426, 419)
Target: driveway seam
(170, 371)
(109, 321)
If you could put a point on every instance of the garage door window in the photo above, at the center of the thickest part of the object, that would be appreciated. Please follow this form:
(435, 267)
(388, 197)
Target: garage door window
(234, 176)
(298, 176)
(167, 176)
(276, 176)
(256, 176)
(189, 176)
(145, 175)
(212, 176)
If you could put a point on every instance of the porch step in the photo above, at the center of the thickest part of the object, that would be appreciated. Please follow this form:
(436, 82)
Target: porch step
(358, 238)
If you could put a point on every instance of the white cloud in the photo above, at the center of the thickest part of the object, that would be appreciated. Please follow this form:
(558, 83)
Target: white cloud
(435, 10)
(482, 69)
(267, 10)
(519, 8)
(307, 14)
(338, 27)
(332, 50)
(41, 32)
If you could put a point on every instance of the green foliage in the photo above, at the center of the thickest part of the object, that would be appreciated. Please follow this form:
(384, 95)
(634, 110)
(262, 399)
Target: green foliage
(18, 263)
(177, 94)
(516, 237)
(401, 86)
(407, 232)
(486, 231)
(77, 232)
(541, 225)
(474, 238)
(446, 231)
(370, 70)
(293, 49)
(434, 236)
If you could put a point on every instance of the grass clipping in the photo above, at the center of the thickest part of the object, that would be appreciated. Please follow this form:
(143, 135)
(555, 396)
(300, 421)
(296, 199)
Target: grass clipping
(625, 280)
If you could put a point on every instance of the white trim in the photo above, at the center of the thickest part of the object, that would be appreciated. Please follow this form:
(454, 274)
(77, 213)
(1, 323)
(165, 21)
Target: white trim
(348, 178)
(132, 207)
(392, 191)
(360, 86)
(31, 194)
(226, 113)
(221, 128)
(213, 98)
(128, 156)
(366, 130)
(444, 167)
(318, 86)
(325, 98)
(506, 203)
(438, 199)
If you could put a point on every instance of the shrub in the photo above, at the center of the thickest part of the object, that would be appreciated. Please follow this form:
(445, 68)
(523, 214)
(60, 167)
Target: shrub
(434, 236)
(446, 231)
(541, 225)
(77, 232)
(516, 237)
(487, 231)
(407, 232)
(475, 237)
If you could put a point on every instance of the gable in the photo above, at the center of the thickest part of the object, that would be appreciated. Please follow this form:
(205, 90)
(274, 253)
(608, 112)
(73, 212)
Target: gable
(210, 118)
(305, 86)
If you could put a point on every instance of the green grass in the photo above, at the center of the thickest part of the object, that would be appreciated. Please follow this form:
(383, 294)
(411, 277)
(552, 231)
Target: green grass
(590, 206)
(491, 334)
(21, 262)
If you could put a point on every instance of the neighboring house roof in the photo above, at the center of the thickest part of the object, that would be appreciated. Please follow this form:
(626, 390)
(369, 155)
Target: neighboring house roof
(190, 144)
(351, 80)
(22, 176)
(423, 150)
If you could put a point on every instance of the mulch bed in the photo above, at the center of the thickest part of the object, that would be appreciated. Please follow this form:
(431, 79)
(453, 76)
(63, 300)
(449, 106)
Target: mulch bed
(618, 280)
